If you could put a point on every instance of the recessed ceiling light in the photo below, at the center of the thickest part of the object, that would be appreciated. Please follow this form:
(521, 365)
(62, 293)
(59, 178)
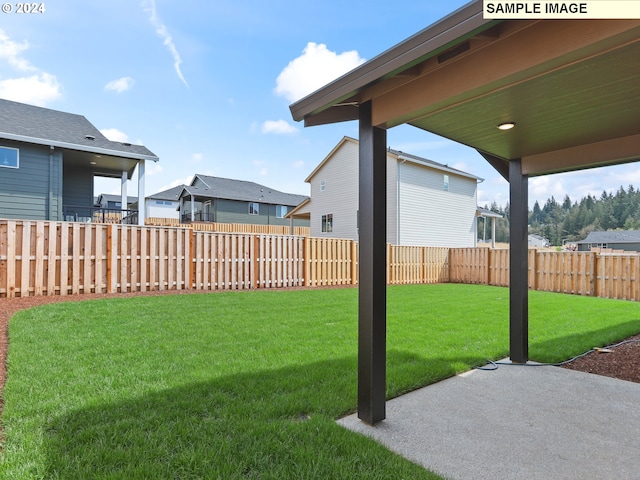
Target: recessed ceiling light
(506, 125)
(92, 163)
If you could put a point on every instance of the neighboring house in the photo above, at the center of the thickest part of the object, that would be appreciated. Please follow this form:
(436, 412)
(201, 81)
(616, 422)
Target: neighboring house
(114, 202)
(164, 204)
(628, 240)
(48, 161)
(485, 213)
(224, 200)
(428, 203)
(536, 241)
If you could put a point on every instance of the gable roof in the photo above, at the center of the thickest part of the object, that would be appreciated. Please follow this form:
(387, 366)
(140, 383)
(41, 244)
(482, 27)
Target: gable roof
(172, 194)
(241, 190)
(398, 156)
(614, 236)
(114, 198)
(43, 126)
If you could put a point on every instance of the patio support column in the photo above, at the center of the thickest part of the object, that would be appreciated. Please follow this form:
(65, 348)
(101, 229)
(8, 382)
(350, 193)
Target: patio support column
(372, 294)
(142, 207)
(123, 195)
(518, 264)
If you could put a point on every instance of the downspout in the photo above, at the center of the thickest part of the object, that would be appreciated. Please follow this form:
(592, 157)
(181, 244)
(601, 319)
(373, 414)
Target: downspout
(50, 202)
(398, 181)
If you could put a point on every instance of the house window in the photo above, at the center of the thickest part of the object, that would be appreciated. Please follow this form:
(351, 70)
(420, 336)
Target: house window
(446, 183)
(327, 223)
(323, 185)
(281, 211)
(9, 157)
(254, 208)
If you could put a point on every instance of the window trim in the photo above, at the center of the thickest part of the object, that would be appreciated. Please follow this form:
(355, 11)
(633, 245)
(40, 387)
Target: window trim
(17, 150)
(326, 225)
(323, 185)
(279, 214)
(254, 208)
(446, 182)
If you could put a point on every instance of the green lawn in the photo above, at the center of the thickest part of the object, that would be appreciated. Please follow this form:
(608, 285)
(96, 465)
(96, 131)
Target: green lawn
(248, 384)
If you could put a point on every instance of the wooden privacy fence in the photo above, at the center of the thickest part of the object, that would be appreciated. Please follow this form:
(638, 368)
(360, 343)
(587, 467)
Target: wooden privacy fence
(228, 227)
(63, 258)
(610, 275)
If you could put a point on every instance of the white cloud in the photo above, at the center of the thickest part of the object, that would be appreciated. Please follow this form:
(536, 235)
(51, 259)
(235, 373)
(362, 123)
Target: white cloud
(115, 135)
(316, 67)
(39, 88)
(298, 164)
(197, 157)
(278, 127)
(149, 6)
(120, 85)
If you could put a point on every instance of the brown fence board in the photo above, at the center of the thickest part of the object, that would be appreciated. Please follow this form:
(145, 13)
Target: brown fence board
(61, 258)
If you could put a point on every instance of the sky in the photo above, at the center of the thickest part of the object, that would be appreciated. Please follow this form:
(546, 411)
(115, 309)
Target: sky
(206, 85)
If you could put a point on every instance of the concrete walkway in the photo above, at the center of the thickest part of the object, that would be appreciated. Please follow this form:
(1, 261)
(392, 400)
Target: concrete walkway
(517, 422)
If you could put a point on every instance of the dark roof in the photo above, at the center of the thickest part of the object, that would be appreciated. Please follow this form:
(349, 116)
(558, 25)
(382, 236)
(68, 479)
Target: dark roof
(242, 190)
(172, 194)
(614, 236)
(114, 198)
(28, 123)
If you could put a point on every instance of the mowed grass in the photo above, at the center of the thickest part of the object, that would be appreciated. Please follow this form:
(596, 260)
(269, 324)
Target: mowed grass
(248, 384)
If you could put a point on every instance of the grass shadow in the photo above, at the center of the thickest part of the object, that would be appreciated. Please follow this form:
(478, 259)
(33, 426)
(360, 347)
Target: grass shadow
(270, 424)
(562, 348)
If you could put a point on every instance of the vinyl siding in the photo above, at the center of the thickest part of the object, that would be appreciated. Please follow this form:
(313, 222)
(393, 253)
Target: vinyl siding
(232, 211)
(77, 187)
(431, 216)
(340, 197)
(24, 192)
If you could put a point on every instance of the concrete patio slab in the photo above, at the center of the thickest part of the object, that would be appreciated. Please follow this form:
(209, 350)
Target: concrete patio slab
(519, 421)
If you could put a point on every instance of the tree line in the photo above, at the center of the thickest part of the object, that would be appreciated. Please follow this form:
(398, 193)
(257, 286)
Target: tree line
(570, 220)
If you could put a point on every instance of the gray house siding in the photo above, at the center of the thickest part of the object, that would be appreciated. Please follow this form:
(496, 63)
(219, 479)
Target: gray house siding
(32, 191)
(430, 215)
(77, 191)
(231, 211)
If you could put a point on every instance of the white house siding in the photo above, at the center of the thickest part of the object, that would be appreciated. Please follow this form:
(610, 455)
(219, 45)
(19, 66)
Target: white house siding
(167, 209)
(431, 216)
(340, 197)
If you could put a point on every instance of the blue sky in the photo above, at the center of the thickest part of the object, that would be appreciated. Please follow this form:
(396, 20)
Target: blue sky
(206, 85)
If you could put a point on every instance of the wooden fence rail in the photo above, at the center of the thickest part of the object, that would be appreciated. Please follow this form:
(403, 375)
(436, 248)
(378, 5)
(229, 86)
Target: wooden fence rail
(64, 258)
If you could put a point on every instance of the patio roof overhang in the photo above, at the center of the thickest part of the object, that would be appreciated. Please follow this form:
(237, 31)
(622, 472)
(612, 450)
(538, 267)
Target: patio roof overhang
(571, 87)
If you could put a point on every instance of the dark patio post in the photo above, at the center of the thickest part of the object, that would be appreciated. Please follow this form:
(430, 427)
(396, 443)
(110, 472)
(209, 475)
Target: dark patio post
(518, 264)
(372, 293)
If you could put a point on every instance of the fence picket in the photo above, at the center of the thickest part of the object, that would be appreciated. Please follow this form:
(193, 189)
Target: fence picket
(59, 258)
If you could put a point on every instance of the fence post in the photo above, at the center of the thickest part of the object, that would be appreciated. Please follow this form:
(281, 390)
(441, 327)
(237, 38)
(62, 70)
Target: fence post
(109, 258)
(256, 252)
(191, 257)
